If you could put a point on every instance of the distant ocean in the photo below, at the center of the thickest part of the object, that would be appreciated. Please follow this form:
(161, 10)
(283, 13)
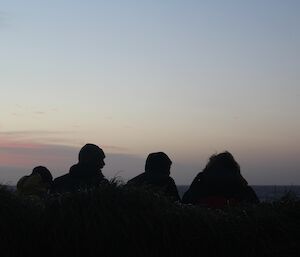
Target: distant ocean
(264, 193)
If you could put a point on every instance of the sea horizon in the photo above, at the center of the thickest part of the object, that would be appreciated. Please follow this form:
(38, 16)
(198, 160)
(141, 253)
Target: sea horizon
(264, 192)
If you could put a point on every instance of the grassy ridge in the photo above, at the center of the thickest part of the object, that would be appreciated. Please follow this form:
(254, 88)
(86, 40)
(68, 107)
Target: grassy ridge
(117, 221)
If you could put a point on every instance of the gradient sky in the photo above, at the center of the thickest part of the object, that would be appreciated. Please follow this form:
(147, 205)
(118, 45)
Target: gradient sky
(190, 78)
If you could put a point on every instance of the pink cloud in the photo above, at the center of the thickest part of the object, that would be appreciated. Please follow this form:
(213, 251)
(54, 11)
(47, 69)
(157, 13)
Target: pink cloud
(18, 153)
(10, 144)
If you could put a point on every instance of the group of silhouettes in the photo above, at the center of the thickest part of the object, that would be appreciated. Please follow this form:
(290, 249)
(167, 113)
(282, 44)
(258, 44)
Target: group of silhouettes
(220, 184)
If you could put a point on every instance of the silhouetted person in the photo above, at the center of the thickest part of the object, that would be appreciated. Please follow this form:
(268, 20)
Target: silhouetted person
(157, 175)
(38, 183)
(220, 184)
(85, 174)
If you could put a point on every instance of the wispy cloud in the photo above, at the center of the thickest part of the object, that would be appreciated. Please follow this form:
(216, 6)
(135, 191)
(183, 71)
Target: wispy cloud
(16, 141)
(25, 156)
(21, 133)
(39, 138)
(114, 148)
(36, 136)
(30, 154)
(6, 145)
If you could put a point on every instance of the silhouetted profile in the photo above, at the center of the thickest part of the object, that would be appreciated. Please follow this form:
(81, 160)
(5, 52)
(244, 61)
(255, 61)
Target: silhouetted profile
(85, 174)
(220, 184)
(157, 175)
(38, 183)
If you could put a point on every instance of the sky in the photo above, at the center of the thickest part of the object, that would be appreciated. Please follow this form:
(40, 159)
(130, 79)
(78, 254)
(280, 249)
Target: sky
(190, 78)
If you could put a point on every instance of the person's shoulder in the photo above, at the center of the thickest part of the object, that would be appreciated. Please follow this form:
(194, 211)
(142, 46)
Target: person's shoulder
(137, 179)
(61, 180)
(61, 184)
(74, 167)
(102, 179)
(21, 182)
(250, 195)
(171, 180)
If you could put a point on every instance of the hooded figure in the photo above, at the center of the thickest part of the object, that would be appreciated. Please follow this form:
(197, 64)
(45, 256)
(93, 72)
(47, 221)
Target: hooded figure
(85, 174)
(38, 183)
(157, 175)
(220, 184)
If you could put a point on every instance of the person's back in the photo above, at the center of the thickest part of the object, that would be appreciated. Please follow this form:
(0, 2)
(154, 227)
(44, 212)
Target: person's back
(37, 184)
(220, 184)
(157, 175)
(85, 174)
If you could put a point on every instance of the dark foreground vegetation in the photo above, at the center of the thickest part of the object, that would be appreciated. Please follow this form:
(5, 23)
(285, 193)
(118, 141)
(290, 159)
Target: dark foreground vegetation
(117, 221)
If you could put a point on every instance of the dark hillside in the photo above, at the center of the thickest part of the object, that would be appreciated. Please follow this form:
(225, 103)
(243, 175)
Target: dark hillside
(119, 221)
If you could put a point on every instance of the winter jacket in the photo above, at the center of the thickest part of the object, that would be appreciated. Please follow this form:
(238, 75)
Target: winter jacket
(219, 190)
(161, 183)
(80, 176)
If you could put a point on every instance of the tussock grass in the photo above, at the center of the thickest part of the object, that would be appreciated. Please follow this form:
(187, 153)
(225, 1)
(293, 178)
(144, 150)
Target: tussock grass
(115, 220)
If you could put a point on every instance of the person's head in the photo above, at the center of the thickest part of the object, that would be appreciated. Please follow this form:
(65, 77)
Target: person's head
(223, 162)
(92, 155)
(44, 173)
(158, 163)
